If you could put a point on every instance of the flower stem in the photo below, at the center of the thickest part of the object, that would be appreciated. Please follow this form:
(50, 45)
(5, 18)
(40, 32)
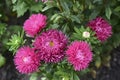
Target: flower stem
(22, 33)
(74, 1)
(60, 7)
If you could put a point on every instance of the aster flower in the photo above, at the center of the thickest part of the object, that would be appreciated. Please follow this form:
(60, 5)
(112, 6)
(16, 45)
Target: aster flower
(79, 55)
(26, 60)
(102, 28)
(51, 45)
(34, 24)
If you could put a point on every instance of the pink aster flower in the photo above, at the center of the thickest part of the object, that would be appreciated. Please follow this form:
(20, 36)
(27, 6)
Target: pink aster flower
(34, 24)
(51, 45)
(26, 60)
(79, 55)
(102, 28)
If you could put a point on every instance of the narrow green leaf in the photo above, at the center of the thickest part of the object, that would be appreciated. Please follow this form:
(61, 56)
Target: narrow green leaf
(2, 60)
(2, 28)
(47, 7)
(76, 29)
(65, 5)
(117, 9)
(14, 1)
(54, 26)
(36, 7)
(108, 12)
(98, 62)
(76, 77)
(75, 18)
(0, 15)
(93, 14)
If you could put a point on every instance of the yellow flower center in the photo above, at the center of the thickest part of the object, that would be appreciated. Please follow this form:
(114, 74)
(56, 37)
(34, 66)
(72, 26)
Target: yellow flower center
(51, 43)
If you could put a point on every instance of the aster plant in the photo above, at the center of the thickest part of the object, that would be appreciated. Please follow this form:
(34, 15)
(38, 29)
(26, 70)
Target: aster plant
(64, 39)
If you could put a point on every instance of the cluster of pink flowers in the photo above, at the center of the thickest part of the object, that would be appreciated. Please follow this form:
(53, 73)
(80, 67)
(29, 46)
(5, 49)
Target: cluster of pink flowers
(101, 27)
(50, 45)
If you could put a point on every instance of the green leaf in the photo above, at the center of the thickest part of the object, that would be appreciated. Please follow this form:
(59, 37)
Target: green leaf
(117, 9)
(36, 7)
(108, 12)
(75, 18)
(76, 29)
(46, 8)
(14, 1)
(57, 19)
(43, 78)
(95, 1)
(65, 5)
(93, 14)
(54, 16)
(65, 78)
(0, 15)
(20, 8)
(98, 62)
(49, 5)
(16, 41)
(2, 28)
(54, 26)
(2, 60)
(75, 77)
(34, 76)
(65, 28)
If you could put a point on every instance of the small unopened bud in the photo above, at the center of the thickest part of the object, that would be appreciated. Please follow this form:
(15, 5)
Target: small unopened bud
(86, 34)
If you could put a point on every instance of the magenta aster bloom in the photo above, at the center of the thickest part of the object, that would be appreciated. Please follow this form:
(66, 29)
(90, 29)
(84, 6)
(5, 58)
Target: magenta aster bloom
(34, 24)
(51, 45)
(26, 60)
(79, 55)
(102, 28)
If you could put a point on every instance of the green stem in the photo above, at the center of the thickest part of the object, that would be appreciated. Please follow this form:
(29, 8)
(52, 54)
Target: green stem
(74, 1)
(83, 4)
(60, 7)
(22, 34)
